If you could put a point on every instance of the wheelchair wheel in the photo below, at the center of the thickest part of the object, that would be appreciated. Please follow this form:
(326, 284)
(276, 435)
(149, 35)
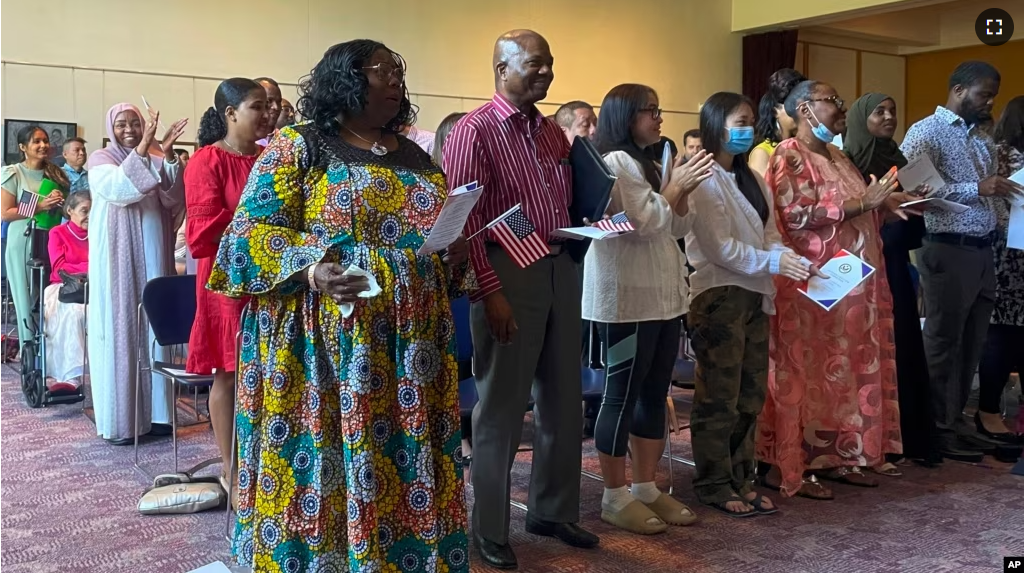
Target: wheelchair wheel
(32, 384)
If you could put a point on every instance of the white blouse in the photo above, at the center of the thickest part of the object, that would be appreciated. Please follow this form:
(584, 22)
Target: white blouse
(728, 244)
(639, 276)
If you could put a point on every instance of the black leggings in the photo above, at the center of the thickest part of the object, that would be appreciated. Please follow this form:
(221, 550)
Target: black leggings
(638, 369)
(1001, 356)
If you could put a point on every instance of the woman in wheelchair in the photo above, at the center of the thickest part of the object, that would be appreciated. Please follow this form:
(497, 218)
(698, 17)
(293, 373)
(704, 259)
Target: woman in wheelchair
(64, 321)
(20, 202)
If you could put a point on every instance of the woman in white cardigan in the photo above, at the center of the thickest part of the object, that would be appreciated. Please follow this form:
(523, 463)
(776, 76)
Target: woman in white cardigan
(735, 249)
(635, 290)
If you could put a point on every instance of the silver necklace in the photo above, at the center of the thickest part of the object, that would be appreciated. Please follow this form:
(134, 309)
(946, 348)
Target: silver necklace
(232, 147)
(375, 146)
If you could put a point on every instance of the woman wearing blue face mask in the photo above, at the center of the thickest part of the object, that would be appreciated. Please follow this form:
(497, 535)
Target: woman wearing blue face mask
(832, 406)
(735, 249)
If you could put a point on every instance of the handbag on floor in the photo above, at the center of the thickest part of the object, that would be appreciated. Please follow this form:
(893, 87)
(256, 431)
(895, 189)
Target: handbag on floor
(183, 493)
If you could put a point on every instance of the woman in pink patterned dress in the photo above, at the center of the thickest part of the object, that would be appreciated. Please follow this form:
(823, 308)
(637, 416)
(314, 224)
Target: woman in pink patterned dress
(832, 401)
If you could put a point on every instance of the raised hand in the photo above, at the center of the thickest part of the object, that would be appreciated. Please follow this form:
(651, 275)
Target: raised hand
(148, 135)
(171, 136)
(878, 191)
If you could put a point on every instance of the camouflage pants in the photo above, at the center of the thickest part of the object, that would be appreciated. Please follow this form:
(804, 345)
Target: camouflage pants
(730, 337)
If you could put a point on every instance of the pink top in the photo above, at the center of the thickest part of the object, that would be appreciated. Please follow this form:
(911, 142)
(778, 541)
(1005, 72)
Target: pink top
(69, 250)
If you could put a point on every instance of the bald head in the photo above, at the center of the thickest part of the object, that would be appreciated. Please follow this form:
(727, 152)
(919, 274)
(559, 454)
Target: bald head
(523, 63)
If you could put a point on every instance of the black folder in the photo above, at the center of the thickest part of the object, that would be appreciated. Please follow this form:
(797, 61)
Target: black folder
(592, 182)
(592, 190)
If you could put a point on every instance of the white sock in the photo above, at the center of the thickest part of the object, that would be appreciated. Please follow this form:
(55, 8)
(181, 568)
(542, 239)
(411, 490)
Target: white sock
(645, 492)
(615, 499)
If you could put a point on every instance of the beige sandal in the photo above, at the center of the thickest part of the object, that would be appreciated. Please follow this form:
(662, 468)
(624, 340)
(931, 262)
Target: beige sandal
(635, 518)
(672, 510)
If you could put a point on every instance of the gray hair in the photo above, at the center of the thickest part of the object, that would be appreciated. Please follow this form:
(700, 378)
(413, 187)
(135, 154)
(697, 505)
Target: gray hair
(801, 93)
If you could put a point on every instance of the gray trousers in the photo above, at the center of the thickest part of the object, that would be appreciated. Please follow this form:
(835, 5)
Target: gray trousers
(960, 288)
(543, 359)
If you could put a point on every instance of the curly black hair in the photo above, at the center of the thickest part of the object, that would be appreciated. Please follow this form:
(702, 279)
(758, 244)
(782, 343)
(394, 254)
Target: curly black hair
(337, 87)
(781, 82)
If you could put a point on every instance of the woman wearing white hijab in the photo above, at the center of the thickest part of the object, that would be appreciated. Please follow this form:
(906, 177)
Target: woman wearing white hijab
(138, 196)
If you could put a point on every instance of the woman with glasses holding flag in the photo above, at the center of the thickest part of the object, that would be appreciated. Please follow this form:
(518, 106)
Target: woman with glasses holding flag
(348, 413)
(24, 185)
(635, 289)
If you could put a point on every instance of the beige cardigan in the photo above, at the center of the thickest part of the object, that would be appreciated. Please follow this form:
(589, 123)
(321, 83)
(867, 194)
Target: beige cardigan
(728, 244)
(642, 275)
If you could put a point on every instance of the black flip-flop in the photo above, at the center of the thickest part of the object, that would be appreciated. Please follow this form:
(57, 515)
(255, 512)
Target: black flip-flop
(721, 506)
(759, 503)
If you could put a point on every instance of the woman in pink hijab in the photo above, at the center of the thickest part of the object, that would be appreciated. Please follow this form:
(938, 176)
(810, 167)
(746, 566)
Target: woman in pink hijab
(138, 196)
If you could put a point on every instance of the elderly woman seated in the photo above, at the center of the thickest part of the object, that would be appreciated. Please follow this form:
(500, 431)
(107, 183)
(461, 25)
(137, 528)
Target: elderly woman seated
(65, 322)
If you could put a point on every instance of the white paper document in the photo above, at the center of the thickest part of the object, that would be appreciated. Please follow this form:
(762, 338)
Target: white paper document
(217, 567)
(452, 218)
(1016, 225)
(920, 172)
(667, 164)
(1018, 177)
(934, 203)
(845, 272)
(577, 233)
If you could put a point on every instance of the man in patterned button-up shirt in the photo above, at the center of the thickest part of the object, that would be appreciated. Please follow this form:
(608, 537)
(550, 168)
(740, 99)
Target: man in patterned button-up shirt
(956, 261)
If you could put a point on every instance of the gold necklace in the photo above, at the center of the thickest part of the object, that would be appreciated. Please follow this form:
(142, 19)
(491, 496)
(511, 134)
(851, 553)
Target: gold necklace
(232, 147)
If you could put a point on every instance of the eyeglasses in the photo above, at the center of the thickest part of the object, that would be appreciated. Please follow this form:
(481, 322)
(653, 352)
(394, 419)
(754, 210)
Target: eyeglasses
(835, 100)
(387, 72)
(655, 111)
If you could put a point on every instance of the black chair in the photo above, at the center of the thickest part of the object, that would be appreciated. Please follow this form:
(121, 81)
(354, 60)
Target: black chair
(169, 305)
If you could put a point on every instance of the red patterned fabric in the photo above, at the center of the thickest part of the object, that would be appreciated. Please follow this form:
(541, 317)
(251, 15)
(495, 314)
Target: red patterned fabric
(832, 397)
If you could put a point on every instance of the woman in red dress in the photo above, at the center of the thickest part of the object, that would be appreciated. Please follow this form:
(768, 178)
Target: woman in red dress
(214, 181)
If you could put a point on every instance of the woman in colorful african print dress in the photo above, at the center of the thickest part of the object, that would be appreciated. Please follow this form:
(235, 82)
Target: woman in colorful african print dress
(348, 424)
(832, 402)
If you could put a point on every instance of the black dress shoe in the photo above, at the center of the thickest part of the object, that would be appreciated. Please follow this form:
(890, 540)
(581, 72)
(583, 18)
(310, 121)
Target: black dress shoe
(160, 430)
(1004, 437)
(494, 554)
(569, 533)
(961, 453)
(977, 442)
(121, 441)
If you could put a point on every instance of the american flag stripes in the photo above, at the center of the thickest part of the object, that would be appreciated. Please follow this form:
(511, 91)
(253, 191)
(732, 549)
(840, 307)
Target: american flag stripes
(617, 223)
(27, 204)
(519, 239)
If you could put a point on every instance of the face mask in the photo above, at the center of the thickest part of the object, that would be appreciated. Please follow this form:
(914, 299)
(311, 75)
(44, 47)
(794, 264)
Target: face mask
(820, 131)
(740, 140)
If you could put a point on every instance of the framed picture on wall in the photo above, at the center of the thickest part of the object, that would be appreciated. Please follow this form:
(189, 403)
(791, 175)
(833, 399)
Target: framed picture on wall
(58, 131)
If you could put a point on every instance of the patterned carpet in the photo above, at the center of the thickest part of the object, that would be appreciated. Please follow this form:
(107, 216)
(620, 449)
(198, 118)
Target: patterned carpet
(68, 504)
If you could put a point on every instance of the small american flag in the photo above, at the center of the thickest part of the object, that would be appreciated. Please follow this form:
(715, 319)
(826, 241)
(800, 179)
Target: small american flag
(617, 223)
(27, 204)
(519, 238)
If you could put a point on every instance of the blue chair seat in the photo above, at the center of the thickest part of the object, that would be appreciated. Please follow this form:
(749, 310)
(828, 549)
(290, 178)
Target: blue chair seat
(592, 383)
(467, 396)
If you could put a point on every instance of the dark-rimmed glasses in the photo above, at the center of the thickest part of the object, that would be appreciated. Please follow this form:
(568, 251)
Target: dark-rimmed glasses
(387, 72)
(835, 100)
(655, 111)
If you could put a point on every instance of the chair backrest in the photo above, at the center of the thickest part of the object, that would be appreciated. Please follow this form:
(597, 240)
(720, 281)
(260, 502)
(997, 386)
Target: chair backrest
(464, 340)
(170, 305)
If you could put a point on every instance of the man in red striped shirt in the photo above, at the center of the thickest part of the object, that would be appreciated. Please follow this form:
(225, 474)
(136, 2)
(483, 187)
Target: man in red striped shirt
(525, 322)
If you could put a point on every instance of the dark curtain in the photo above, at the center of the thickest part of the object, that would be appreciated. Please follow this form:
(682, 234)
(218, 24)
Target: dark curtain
(763, 55)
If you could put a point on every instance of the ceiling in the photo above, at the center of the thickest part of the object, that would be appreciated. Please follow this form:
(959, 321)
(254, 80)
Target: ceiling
(940, 25)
